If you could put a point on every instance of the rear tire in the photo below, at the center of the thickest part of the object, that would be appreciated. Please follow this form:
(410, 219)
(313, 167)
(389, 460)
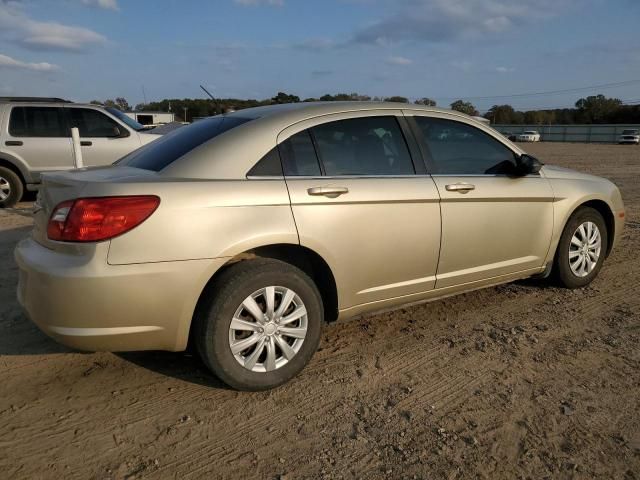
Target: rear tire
(271, 357)
(11, 188)
(582, 249)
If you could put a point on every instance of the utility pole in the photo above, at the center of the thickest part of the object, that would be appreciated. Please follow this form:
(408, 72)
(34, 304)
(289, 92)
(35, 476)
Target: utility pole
(185, 113)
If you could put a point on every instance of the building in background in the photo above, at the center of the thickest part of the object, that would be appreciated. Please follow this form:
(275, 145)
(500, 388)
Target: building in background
(152, 118)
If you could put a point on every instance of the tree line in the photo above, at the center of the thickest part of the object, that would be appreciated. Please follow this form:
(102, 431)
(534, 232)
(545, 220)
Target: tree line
(590, 110)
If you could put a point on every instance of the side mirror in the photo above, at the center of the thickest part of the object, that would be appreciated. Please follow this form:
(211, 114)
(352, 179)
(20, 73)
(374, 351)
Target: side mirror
(528, 165)
(119, 132)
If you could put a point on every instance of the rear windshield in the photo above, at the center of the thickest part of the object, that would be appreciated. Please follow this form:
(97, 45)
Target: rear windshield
(166, 150)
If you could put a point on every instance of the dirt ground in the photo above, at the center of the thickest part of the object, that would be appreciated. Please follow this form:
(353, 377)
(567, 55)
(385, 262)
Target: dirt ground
(520, 381)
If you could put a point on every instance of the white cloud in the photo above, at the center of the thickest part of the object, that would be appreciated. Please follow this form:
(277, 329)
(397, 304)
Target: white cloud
(105, 4)
(8, 62)
(18, 28)
(253, 3)
(505, 69)
(399, 61)
(445, 20)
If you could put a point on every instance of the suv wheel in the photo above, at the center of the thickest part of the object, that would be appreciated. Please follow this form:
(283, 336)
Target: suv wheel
(581, 249)
(259, 325)
(10, 188)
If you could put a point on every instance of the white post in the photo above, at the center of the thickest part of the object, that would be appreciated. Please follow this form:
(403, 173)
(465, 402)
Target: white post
(77, 149)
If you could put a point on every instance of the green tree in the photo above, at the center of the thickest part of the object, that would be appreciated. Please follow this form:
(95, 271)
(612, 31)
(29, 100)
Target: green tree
(282, 97)
(397, 98)
(501, 114)
(425, 101)
(464, 107)
(122, 104)
(597, 108)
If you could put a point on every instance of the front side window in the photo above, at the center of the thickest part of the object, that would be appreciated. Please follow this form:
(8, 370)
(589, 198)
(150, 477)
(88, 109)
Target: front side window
(363, 146)
(460, 149)
(37, 122)
(92, 123)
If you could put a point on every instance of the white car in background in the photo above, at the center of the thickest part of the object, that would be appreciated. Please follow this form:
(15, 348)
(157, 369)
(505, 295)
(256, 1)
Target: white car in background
(529, 136)
(630, 136)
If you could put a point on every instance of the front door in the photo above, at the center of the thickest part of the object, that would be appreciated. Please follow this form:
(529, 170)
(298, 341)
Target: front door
(99, 140)
(493, 222)
(358, 202)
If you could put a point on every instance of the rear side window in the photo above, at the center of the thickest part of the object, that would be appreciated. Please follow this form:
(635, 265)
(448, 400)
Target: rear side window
(299, 156)
(92, 123)
(363, 146)
(460, 149)
(160, 153)
(37, 122)
(268, 166)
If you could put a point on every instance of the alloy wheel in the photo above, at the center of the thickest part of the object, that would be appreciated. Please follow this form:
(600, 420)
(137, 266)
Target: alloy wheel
(585, 249)
(268, 329)
(5, 189)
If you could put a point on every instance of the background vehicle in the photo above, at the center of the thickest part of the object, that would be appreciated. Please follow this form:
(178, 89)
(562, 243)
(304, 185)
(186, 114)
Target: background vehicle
(630, 136)
(245, 232)
(528, 136)
(35, 137)
(510, 136)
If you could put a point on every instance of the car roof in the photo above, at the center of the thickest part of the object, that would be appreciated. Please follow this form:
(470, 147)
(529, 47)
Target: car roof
(295, 112)
(43, 103)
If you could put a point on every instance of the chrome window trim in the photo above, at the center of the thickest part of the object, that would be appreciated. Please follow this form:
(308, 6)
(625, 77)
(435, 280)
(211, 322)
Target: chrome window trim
(351, 177)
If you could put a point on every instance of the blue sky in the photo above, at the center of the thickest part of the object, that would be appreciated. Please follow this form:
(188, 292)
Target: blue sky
(443, 49)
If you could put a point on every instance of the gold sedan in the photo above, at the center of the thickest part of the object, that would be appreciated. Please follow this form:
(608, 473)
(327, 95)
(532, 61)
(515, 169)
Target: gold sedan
(243, 233)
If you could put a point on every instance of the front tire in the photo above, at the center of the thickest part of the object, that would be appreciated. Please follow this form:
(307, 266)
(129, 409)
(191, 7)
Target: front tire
(581, 249)
(11, 188)
(259, 324)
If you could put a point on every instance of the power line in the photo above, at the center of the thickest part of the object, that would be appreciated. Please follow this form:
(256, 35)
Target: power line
(549, 92)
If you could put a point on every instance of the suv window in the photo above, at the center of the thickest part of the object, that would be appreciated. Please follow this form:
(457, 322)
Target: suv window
(37, 122)
(460, 149)
(299, 156)
(92, 123)
(166, 150)
(363, 146)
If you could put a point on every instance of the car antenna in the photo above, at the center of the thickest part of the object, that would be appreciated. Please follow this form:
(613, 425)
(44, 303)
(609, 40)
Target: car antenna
(207, 92)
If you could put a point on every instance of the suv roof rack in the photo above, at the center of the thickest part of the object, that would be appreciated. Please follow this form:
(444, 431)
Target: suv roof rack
(34, 99)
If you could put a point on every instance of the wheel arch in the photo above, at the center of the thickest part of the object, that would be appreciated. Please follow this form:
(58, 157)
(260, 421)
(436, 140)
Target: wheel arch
(307, 260)
(603, 209)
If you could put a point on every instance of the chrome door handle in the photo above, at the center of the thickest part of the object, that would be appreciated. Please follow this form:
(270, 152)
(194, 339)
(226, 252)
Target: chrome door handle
(460, 187)
(331, 192)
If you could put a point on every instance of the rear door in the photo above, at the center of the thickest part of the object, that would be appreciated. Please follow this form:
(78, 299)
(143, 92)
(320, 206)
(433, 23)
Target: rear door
(359, 201)
(38, 135)
(494, 222)
(103, 140)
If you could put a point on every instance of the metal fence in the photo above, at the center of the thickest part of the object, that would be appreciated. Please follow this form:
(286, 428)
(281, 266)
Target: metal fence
(571, 133)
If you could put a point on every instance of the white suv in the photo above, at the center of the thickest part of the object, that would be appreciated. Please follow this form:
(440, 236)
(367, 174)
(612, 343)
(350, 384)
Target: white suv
(35, 137)
(630, 136)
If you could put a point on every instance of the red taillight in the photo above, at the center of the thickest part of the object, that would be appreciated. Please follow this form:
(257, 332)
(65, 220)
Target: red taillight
(100, 218)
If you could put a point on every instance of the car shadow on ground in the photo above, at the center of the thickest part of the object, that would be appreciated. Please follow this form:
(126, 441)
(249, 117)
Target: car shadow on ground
(185, 366)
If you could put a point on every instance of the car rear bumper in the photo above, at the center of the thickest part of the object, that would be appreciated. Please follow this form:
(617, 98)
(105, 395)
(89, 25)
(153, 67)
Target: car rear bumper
(81, 301)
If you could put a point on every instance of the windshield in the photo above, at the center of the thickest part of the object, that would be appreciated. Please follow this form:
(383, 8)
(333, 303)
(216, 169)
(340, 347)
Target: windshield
(530, 132)
(630, 132)
(125, 118)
